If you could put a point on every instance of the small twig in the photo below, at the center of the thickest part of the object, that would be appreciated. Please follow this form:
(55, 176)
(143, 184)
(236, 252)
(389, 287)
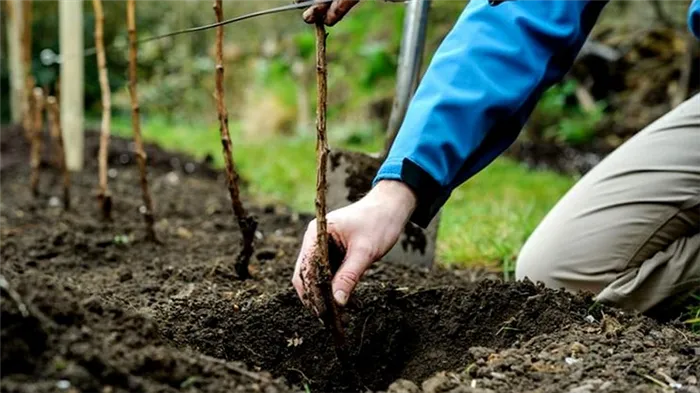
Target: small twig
(685, 337)
(36, 137)
(246, 223)
(251, 351)
(14, 296)
(362, 335)
(136, 123)
(670, 381)
(54, 115)
(104, 197)
(235, 368)
(656, 381)
(307, 379)
(506, 327)
(25, 309)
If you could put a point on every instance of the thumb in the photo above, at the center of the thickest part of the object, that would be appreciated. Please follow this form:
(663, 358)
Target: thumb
(356, 262)
(316, 12)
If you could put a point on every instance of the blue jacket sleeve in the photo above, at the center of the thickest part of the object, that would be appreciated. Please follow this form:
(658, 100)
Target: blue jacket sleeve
(479, 89)
(694, 18)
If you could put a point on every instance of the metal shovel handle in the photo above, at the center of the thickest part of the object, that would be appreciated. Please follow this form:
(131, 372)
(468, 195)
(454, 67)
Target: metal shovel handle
(410, 58)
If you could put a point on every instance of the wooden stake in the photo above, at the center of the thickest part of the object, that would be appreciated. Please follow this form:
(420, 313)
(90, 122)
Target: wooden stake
(136, 121)
(36, 137)
(247, 224)
(72, 83)
(329, 315)
(54, 115)
(16, 66)
(104, 197)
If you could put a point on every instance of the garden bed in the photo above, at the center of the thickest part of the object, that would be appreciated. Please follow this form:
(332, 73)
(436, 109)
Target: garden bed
(97, 308)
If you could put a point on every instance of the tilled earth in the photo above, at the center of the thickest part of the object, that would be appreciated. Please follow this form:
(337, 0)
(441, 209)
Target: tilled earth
(89, 306)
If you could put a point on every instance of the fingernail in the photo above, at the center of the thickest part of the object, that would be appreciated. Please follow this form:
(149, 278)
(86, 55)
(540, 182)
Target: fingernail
(341, 297)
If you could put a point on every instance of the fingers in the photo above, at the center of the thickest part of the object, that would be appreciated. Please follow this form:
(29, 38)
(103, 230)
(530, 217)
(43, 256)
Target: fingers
(358, 259)
(316, 12)
(302, 264)
(338, 9)
(359, 256)
(329, 12)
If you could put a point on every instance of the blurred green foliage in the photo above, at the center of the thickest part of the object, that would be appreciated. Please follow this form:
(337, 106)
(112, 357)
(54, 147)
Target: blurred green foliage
(485, 222)
(268, 56)
(561, 119)
(273, 57)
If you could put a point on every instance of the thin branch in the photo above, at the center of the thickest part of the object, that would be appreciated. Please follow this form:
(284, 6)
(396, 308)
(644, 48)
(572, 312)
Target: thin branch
(136, 122)
(656, 381)
(54, 115)
(26, 52)
(36, 137)
(234, 368)
(330, 314)
(23, 309)
(26, 309)
(103, 196)
(246, 223)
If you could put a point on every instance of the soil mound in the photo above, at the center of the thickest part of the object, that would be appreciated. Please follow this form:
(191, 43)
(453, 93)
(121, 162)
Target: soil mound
(66, 340)
(393, 332)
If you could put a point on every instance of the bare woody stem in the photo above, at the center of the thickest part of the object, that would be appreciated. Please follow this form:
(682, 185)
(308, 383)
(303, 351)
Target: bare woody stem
(330, 316)
(136, 122)
(54, 115)
(36, 137)
(103, 195)
(53, 120)
(26, 53)
(247, 224)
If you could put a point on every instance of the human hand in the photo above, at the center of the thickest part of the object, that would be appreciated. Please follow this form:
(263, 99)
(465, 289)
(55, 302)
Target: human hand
(330, 12)
(366, 230)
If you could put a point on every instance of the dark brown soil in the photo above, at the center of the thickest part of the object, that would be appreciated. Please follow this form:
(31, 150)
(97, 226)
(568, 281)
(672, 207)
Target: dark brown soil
(91, 306)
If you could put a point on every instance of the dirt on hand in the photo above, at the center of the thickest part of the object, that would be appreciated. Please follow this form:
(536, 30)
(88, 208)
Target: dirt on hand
(101, 309)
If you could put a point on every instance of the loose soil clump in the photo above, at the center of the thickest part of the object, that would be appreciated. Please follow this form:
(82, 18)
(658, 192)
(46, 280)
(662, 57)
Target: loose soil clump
(100, 308)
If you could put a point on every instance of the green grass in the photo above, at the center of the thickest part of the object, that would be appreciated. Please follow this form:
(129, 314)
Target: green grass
(486, 220)
(693, 314)
(489, 217)
(277, 170)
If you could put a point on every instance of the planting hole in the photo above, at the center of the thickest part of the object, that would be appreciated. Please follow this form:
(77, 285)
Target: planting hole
(394, 333)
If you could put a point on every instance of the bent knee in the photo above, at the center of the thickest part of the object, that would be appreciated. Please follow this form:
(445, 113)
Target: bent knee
(546, 261)
(537, 266)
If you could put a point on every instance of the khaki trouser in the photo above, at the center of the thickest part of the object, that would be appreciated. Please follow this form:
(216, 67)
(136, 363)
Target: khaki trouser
(629, 230)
